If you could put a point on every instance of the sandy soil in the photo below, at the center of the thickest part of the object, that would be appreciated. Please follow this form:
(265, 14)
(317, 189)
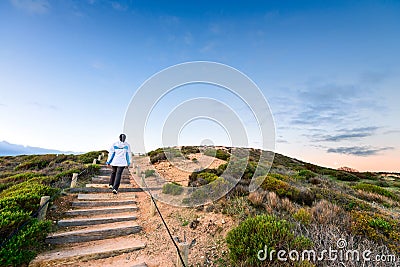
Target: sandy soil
(179, 171)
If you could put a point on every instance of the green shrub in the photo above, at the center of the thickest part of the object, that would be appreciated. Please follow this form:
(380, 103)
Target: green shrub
(209, 177)
(380, 223)
(11, 219)
(219, 153)
(28, 187)
(4, 186)
(271, 183)
(38, 162)
(376, 189)
(260, 232)
(208, 192)
(88, 157)
(92, 169)
(21, 177)
(281, 177)
(21, 249)
(376, 228)
(161, 154)
(172, 189)
(67, 173)
(346, 201)
(303, 216)
(306, 174)
(148, 173)
(346, 176)
(383, 184)
(189, 150)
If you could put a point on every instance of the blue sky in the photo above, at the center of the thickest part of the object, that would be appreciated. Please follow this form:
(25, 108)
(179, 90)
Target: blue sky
(329, 69)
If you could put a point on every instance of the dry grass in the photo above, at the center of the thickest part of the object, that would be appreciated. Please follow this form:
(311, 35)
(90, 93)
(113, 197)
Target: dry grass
(257, 198)
(373, 197)
(325, 212)
(287, 205)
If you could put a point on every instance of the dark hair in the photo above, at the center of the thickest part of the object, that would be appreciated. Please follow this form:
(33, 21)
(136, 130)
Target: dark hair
(122, 137)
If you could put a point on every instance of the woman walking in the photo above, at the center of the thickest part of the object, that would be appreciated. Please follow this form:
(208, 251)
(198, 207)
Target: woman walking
(119, 157)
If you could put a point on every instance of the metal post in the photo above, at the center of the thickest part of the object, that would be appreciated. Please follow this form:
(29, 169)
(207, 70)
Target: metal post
(43, 211)
(74, 179)
(184, 250)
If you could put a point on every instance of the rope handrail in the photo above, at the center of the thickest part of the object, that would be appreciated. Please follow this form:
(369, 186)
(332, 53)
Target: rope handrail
(165, 224)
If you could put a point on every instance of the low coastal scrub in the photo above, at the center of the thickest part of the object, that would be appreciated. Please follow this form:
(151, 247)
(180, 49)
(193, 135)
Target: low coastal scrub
(24, 180)
(259, 233)
(297, 205)
(172, 189)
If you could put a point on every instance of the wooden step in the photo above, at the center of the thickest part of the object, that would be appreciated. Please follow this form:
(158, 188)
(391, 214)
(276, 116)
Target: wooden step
(107, 196)
(102, 210)
(105, 203)
(106, 186)
(97, 180)
(96, 232)
(88, 251)
(102, 190)
(95, 220)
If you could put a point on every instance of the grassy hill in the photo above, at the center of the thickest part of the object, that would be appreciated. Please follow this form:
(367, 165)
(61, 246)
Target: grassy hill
(23, 181)
(298, 206)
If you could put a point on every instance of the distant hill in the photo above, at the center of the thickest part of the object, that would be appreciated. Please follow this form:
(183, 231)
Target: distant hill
(8, 149)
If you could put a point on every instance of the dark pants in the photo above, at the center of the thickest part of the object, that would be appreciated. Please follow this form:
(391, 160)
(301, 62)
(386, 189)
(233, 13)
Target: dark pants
(115, 178)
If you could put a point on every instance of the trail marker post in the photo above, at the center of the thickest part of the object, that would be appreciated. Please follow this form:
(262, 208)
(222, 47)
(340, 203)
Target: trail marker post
(184, 250)
(74, 180)
(43, 211)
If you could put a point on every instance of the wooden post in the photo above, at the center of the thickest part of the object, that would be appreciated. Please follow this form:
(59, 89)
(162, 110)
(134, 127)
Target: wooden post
(74, 179)
(143, 183)
(152, 207)
(99, 158)
(184, 250)
(43, 211)
(94, 161)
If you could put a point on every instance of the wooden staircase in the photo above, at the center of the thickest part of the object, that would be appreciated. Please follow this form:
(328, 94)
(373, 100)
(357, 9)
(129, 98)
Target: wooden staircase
(100, 225)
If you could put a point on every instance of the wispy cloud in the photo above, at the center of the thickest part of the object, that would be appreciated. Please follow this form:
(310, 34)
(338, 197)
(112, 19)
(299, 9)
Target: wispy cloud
(98, 65)
(208, 47)
(392, 132)
(169, 20)
(42, 106)
(119, 6)
(32, 6)
(188, 38)
(347, 134)
(373, 77)
(363, 151)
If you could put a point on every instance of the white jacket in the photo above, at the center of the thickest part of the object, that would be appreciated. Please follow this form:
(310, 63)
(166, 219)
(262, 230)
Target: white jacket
(120, 154)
